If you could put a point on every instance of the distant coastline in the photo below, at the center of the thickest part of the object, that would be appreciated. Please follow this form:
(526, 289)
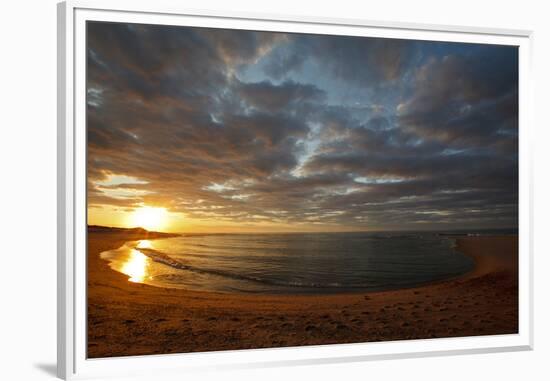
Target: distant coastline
(138, 232)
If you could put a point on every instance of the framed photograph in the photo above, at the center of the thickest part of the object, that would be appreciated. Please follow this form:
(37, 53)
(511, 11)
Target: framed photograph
(249, 190)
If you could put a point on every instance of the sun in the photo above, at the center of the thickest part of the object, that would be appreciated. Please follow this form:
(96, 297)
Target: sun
(148, 217)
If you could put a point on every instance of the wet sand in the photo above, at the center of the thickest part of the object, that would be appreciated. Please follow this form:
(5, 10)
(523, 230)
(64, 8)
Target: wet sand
(126, 318)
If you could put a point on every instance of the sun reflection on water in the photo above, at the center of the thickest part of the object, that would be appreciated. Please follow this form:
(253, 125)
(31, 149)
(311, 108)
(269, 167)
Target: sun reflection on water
(135, 266)
(144, 244)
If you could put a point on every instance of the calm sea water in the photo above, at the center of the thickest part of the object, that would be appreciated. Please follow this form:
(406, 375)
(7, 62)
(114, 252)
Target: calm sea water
(291, 263)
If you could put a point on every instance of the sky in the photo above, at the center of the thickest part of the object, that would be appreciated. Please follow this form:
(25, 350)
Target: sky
(216, 130)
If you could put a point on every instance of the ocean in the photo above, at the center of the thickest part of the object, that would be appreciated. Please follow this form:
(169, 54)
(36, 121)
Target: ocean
(295, 263)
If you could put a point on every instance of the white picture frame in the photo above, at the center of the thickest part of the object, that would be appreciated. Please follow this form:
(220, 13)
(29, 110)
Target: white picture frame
(72, 361)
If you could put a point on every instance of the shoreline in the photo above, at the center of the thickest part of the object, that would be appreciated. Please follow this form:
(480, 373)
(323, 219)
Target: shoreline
(477, 270)
(126, 318)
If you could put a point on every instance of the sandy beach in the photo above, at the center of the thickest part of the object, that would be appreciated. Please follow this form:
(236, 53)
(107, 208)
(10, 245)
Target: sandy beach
(126, 318)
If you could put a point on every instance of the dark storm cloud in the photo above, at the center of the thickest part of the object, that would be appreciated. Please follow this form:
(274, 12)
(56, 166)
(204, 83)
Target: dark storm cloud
(189, 116)
(158, 61)
(140, 61)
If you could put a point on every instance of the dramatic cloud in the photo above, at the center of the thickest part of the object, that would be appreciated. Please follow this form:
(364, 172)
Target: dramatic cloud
(303, 131)
(353, 59)
(465, 100)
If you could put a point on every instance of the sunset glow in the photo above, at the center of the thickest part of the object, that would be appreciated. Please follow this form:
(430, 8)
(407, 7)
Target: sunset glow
(149, 218)
(136, 266)
(144, 244)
